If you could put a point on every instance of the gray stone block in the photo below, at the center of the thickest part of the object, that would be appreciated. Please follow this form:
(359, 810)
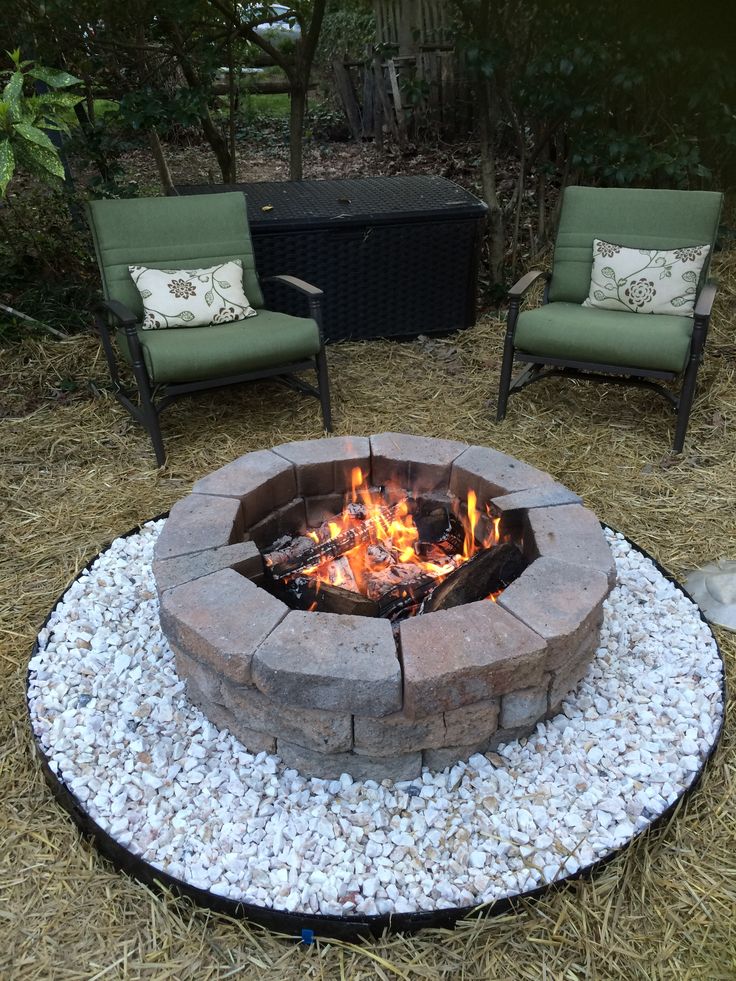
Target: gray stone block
(567, 678)
(322, 507)
(414, 462)
(324, 466)
(324, 732)
(492, 473)
(502, 737)
(570, 533)
(465, 655)
(562, 603)
(290, 519)
(219, 621)
(329, 766)
(343, 664)
(199, 522)
(262, 481)
(523, 708)
(242, 557)
(546, 495)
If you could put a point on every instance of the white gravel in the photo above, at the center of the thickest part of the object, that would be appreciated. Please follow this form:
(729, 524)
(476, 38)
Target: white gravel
(111, 714)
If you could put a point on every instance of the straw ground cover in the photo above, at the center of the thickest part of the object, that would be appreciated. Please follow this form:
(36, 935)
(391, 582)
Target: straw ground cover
(76, 473)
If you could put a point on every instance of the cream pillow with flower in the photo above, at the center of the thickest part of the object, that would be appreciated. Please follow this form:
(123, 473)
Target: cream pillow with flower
(645, 280)
(192, 297)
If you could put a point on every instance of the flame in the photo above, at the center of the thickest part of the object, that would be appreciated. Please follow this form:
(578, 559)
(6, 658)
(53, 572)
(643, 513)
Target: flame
(396, 537)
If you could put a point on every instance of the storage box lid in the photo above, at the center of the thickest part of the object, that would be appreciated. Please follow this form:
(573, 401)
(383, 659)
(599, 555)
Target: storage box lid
(287, 205)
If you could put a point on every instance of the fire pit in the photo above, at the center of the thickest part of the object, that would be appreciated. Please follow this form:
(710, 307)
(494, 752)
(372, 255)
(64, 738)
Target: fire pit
(309, 627)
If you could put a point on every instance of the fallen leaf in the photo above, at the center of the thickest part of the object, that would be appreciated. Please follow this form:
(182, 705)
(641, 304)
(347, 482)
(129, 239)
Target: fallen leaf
(267, 207)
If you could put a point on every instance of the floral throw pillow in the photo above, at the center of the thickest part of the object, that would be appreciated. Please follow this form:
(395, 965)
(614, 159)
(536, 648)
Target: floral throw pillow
(645, 280)
(192, 297)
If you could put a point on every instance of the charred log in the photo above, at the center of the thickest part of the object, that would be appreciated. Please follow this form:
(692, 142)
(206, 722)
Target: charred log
(487, 572)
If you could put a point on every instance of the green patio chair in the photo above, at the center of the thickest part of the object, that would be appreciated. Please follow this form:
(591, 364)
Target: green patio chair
(185, 233)
(563, 337)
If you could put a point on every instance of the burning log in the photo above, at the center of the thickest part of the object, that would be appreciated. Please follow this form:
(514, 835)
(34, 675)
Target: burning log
(486, 573)
(296, 557)
(400, 575)
(339, 573)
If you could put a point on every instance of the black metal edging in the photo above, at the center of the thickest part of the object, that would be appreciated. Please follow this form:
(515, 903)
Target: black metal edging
(309, 925)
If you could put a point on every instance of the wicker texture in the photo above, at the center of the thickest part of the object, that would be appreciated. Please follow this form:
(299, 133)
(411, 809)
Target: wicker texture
(395, 256)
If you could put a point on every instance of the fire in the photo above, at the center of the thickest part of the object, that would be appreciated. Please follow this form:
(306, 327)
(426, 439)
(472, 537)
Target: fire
(393, 554)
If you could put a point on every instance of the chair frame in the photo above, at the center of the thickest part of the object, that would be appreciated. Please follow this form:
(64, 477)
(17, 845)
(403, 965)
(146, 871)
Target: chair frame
(153, 399)
(541, 367)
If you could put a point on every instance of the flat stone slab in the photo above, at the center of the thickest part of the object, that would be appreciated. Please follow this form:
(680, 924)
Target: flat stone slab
(713, 587)
(492, 473)
(571, 533)
(561, 602)
(219, 620)
(243, 557)
(325, 466)
(546, 495)
(465, 655)
(261, 481)
(199, 522)
(418, 462)
(333, 662)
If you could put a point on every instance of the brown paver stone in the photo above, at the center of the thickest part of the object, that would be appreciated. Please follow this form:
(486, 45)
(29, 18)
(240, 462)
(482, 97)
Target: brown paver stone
(329, 766)
(219, 620)
(261, 480)
(243, 557)
(567, 678)
(343, 664)
(397, 734)
(415, 462)
(199, 522)
(562, 603)
(492, 473)
(324, 466)
(198, 677)
(571, 533)
(503, 736)
(464, 655)
(472, 723)
(322, 731)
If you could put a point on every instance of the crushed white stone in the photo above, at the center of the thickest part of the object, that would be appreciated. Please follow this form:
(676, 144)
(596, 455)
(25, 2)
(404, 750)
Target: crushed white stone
(111, 715)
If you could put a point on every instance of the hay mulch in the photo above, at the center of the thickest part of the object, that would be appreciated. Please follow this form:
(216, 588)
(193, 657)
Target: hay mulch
(76, 472)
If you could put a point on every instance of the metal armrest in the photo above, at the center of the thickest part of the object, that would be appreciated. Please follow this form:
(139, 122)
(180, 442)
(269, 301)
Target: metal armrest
(124, 315)
(704, 306)
(519, 289)
(297, 284)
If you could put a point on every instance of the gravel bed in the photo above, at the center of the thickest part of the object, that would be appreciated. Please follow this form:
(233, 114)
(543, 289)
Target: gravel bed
(111, 715)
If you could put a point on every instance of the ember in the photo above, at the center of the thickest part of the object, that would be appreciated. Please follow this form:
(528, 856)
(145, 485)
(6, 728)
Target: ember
(381, 559)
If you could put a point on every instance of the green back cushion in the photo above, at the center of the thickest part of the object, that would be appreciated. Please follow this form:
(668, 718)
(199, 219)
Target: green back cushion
(634, 217)
(188, 232)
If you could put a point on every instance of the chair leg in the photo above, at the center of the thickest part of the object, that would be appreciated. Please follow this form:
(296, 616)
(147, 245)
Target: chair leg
(507, 365)
(323, 383)
(149, 412)
(684, 405)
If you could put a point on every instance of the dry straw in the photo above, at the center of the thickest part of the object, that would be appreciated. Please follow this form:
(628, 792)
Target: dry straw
(76, 473)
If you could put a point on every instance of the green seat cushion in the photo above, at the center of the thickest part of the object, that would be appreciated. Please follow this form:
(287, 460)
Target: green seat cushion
(633, 340)
(204, 353)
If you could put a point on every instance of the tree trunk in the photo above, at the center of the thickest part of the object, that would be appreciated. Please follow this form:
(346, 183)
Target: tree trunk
(297, 110)
(487, 128)
(161, 163)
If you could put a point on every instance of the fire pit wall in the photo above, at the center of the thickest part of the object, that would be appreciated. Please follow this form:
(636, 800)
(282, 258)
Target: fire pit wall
(333, 694)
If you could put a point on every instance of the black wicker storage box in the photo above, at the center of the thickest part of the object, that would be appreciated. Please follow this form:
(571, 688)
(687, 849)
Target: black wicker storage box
(395, 256)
